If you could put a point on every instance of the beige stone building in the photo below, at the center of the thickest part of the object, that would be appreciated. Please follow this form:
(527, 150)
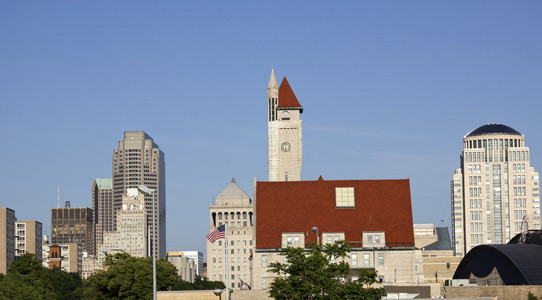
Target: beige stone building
(7, 238)
(186, 266)
(71, 257)
(439, 262)
(284, 131)
(139, 161)
(235, 207)
(90, 265)
(495, 194)
(28, 238)
(73, 225)
(131, 235)
(102, 205)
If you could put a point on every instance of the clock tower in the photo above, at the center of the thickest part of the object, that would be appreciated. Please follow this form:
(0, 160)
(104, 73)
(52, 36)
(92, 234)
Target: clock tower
(284, 131)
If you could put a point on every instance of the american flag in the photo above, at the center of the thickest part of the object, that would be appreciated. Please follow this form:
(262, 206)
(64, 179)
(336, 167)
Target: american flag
(217, 234)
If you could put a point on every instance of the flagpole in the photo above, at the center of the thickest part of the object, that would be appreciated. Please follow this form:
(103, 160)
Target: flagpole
(226, 247)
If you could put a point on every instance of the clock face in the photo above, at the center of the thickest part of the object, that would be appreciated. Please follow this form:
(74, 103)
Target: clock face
(286, 147)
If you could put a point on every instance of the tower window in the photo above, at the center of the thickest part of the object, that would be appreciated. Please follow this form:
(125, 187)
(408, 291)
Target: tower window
(285, 115)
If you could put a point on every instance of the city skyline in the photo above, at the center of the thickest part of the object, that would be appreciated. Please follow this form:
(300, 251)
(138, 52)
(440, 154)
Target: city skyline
(389, 90)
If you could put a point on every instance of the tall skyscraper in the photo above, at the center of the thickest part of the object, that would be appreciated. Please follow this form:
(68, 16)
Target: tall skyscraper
(139, 161)
(73, 225)
(235, 207)
(102, 205)
(28, 238)
(284, 131)
(495, 194)
(7, 238)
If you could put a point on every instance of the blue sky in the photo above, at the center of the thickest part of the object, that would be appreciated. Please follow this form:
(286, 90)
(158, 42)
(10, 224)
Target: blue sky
(389, 89)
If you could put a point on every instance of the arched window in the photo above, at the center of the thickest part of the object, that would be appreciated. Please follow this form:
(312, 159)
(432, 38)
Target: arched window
(285, 115)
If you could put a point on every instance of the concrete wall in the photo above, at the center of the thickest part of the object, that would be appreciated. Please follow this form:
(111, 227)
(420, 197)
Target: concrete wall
(510, 292)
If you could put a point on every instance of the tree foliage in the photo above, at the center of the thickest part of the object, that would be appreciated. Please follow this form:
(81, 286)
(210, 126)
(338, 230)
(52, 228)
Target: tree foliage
(127, 277)
(28, 279)
(320, 274)
(200, 283)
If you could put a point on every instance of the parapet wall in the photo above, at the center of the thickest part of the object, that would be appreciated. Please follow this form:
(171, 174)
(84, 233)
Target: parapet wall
(508, 292)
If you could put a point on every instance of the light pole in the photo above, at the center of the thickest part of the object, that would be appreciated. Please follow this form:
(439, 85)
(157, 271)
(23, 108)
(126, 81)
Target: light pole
(218, 292)
(147, 191)
(315, 229)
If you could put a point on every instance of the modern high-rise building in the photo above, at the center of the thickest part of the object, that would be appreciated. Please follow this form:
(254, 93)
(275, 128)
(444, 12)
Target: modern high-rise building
(7, 238)
(495, 194)
(28, 238)
(102, 205)
(234, 207)
(73, 225)
(139, 161)
(284, 131)
(131, 235)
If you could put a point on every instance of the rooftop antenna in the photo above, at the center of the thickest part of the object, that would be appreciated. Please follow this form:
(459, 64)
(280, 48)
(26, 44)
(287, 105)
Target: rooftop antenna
(58, 197)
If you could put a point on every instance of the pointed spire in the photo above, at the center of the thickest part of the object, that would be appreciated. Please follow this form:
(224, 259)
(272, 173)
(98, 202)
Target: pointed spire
(320, 178)
(272, 87)
(233, 180)
(272, 81)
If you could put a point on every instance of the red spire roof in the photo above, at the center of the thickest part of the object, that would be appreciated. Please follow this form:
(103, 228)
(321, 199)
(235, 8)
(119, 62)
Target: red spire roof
(287, 98)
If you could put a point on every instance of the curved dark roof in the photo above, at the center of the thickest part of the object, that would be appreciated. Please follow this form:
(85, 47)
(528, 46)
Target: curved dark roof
(493, 129)
(532, 236)
(517, 264)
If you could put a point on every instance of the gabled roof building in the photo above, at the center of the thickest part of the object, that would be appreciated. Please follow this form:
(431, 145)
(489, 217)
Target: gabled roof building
(373, 216)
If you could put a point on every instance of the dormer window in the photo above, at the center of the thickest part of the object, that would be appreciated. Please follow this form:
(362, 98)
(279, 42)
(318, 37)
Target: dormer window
(344, 197)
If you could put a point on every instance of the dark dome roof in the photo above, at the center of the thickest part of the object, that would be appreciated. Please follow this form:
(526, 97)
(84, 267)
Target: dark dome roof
(493, 129)
(517, 264)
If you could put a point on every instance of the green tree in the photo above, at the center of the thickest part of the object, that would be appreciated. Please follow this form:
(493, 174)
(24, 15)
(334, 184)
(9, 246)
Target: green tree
(532, 296)
(38, 282)
(200, 283)
(314, 275)
(127, 277)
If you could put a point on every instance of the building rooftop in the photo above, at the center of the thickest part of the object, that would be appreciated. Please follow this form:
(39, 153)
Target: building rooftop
(232, 191)
(287, 98)
(517, 264)
(493, 129)
(297, 206)
(104, 183)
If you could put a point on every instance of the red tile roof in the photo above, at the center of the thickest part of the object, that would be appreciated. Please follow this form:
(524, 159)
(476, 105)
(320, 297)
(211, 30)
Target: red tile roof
(297, 206)
(287, 98)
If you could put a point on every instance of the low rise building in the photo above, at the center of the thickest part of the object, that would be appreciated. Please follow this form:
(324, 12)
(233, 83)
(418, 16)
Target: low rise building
(186, 267)
(373, 216)
(69, 257)
(439, 262)
(197, 256)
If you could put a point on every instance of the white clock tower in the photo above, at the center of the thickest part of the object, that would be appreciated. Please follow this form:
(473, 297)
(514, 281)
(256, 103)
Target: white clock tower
(284, 131)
